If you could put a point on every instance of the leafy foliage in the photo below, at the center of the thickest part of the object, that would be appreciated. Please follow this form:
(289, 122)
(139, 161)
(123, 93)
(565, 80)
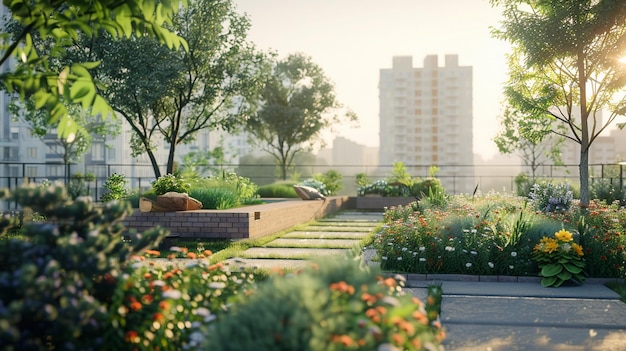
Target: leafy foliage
(298, 102)
(212, 84)
(54, 88)
(170, 183)
(58, 276)
(335, 305)
(331, 180)
(115, 188)
(564, 67)
(559, 259)
(605, 190)
(277, 190)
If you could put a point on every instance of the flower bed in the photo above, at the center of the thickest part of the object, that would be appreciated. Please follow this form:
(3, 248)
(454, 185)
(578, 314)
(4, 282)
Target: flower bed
(495, 235)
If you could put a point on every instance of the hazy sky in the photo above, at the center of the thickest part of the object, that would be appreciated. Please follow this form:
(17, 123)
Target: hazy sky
(353, 39)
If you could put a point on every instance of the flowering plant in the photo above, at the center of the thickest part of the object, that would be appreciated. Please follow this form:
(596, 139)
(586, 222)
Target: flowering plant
(560, 259)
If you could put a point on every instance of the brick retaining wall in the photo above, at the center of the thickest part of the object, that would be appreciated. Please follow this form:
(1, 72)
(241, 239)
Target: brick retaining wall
(240, 223)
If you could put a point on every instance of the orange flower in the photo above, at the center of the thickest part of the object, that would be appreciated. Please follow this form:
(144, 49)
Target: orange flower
(191, 255)
(417, 343)
(207, 253)
(164, 305)
(131, 336)
(368, 298)
(390, 282)
(135, 306)
(398, 339)
(147, 299)
(158, 317)
(346, 340)
(147, 275)
(342, 287)
(420, 317)
(153, 253)
(381, 309)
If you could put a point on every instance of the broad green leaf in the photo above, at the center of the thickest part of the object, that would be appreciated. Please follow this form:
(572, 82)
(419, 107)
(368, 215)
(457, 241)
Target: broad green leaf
(79, 91)
(573, 268)
(551, 270)
(548, 281)
(565, 275)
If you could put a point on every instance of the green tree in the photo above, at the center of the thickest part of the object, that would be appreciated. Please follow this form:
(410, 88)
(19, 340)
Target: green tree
(298, 102)
(530, 138)
(53, 88)
(172, 95)
(564, 66)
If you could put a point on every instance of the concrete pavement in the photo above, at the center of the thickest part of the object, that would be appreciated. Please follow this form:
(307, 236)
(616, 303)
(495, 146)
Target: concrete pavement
(498, 316)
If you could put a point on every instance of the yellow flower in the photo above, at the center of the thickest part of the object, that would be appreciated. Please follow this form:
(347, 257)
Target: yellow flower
(578, 249)
(551, 246)
(564, 235)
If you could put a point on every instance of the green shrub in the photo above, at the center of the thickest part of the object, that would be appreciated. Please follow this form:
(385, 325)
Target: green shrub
(336, 305)
(170, 183)
(58, 277)
(79, 184)
(523, 185)
(226, 191)
(332, 181)
(216, 198)
(605, 190)
(277, 190)
(115, 188)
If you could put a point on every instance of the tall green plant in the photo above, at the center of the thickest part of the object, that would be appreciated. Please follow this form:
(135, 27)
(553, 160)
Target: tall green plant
(115, 188)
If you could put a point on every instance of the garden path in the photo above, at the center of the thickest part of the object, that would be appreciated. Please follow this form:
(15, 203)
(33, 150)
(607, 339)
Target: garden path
(477, 315)
(334, 235)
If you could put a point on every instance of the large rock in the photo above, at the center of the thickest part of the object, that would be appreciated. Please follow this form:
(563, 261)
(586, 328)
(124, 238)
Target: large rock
(171, 201)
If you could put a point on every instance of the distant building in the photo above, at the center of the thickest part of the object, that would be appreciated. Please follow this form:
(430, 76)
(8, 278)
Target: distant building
(426, 119)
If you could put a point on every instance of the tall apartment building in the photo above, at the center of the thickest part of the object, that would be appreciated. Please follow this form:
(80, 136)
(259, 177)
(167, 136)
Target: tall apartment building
(426, 119)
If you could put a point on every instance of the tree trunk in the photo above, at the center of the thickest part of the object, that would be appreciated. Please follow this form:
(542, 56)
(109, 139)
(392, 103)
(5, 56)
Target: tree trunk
(170, 159)
(584, 137)
(155, 164)
(583, 169)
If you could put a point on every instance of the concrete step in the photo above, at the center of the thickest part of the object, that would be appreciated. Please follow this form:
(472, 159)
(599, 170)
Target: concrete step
(313, 243)
(290, 253)
(326, 235)
(331, 228)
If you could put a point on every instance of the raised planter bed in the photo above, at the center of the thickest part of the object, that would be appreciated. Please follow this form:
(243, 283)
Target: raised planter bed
(239, 223)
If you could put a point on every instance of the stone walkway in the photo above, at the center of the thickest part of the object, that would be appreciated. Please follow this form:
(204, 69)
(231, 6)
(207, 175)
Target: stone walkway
(335, 235)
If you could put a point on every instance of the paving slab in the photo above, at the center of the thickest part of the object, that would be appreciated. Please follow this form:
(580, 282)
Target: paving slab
(355, 216)
(461, 337)
(241, 264)
(282, 252)
(327, 228)
(326, 235)
(525, 316)
(313, 243)
(588, 291)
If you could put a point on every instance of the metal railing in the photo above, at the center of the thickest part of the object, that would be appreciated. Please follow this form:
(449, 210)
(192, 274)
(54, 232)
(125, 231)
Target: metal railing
(456, 179)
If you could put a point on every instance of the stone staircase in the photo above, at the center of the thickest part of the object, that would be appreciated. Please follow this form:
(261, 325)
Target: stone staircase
(330, 236)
